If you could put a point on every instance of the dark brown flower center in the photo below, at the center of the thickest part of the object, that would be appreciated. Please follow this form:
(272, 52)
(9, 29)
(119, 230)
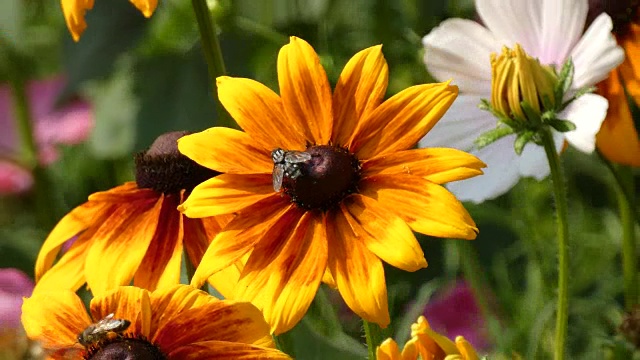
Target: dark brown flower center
(622, 12)
(164, 169)
(318, 178)
(125, 349)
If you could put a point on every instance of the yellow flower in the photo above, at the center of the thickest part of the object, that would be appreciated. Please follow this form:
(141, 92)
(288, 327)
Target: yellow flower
(427, 344)
(180, 322)
(344, 193)
(74, 12)
(134, 231)
(618, 139)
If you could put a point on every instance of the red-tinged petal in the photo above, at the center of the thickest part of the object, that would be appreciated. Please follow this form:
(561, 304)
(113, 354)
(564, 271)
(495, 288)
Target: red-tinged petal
(357, 271)
(54, 318)
(78, 220)
(240, 236)
(171, 301)
(401, 121)
(68, 272)
(162, 262)
(125, 302)
(127, 192)
(120, 245)
(384, 233)
(223, 320)
(198, 233)
(227, 194)
(359, 90)
(428, 208)
(284, 271)
(227, 151)
(438, 165)
(225, 350)
(259, 112)
(305, 90)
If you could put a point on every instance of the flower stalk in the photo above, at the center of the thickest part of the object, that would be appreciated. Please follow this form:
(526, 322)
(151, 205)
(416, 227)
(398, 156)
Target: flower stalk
(212, 55)
(374, 335)
(24, 126)
(560, 195)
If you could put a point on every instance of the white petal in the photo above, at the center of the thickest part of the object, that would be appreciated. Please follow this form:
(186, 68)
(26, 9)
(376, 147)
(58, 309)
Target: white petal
(460, 125)
(500, 175)
(587, 112)
(513, 21)
(596, 54)
(460, 49)
(562, 24)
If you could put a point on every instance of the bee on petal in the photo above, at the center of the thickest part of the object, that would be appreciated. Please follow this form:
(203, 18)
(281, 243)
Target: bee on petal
(104, 329)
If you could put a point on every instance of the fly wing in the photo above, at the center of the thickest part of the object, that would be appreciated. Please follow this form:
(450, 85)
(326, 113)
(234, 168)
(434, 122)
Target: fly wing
(294, 157)
(278, 175)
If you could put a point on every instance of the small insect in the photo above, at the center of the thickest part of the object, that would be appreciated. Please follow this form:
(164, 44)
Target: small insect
(287, 163)
(102, 330)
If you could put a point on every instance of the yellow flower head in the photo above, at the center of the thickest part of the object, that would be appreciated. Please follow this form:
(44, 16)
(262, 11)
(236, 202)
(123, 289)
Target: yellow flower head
(74, 12)
(179, 322)
(517, 77)
(427, 344)
(134, 231)
(325, 186)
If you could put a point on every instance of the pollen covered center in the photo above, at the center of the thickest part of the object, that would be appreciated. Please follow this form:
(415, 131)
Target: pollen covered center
(126, 348)
(318, 178)
(164, 169)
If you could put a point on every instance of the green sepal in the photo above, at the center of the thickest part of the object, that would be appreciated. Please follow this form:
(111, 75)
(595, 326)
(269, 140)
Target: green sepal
(533, 117)
(485, 105)
(492, 136)
(561, 125)
(565, 78)
(522, 140)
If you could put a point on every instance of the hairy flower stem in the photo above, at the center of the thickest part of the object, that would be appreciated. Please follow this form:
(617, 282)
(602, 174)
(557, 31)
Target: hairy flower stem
(374, 335)
(213, 56)
(560, 195)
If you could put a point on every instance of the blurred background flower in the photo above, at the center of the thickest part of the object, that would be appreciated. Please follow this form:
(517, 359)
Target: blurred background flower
(14, 285)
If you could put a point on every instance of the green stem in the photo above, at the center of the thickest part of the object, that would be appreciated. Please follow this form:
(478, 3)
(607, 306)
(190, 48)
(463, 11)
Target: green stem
(374, 335)
(212, 55)
(28, 149)
(263, 31)
(560, 195)
(473, 275)
(629, 257)
(622, 184)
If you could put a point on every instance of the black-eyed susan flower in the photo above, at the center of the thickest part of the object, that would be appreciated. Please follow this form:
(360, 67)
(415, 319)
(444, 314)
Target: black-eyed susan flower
(74, 11)
(325, 185)
(427, 344)
(548, 34)
(618, 139)
(178, 322)
(133, 231)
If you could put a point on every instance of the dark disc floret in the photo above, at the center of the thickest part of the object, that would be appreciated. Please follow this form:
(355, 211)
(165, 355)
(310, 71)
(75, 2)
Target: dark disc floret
(125, 348)
(323, 181)
(164, 169)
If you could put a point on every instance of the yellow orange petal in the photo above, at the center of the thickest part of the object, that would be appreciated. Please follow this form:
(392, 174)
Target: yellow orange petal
(126, 192)
(68, 272)
(328, 279)
(235, 152)
(305, 90)
(428, 208)
(162, 262)
(359, 90)
(223, 320)
(239, 237)
(146, 7)
(388, 350)
(171, 301)
(225, 280)
(259, 112)
(225, 350)
(402, 120)
(227, 194)
(120, 245)
(74, 11)
(54, 318)
(357, 271)
(466, 350)
(125, 302)
(284, 271)
(438, 165)
(79, 219)
(384, 233)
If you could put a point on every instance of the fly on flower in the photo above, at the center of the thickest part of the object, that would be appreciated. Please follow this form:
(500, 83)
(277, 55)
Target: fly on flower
(105, 329)
(287, 164)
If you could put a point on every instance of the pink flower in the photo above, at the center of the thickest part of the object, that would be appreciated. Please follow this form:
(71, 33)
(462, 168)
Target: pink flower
(14, 284)
(52, 125)
(455, 312)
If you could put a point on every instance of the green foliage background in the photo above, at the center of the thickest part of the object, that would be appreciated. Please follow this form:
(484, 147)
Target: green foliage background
(148, 76)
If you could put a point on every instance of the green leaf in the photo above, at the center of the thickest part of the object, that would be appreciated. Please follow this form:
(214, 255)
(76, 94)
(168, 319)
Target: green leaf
(522, 140)
(11, 17)
(417, 308)
(492, 136)
(561, 125)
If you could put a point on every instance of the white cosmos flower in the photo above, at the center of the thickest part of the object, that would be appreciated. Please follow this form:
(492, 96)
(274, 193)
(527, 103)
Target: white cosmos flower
(550, 30)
